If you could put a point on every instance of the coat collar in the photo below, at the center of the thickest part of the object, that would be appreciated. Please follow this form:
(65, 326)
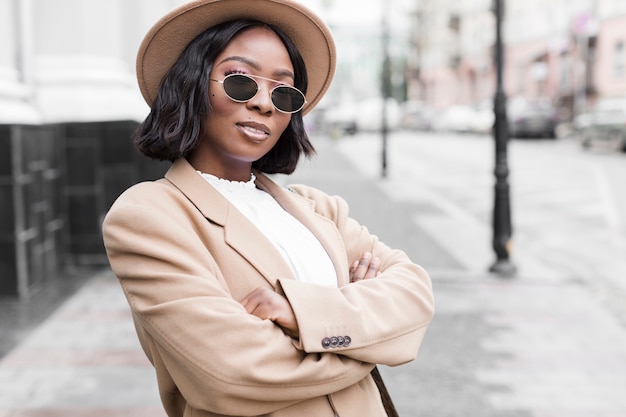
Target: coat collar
(243, 236)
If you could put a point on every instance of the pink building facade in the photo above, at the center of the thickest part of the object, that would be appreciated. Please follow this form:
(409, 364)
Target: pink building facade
(609, 77)
(572, 55)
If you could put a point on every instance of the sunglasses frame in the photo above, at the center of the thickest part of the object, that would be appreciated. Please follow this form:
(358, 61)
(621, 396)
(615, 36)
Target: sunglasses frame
(258, 88)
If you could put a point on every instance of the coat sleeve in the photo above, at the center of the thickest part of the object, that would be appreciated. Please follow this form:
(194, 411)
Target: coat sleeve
(221, 358)
(385, 318)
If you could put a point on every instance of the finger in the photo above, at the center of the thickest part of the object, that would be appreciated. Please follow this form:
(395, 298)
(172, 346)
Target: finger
(363, 266)
(249, 303)
(353, 269)
(262, 307)
(373, 268)
(254, 300)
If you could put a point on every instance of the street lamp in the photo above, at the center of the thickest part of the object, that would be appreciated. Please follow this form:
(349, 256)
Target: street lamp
(502, 229)
(386, 87)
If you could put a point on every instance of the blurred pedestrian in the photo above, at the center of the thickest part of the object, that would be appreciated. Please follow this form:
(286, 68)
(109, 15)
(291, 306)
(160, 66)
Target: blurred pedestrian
(250, 298)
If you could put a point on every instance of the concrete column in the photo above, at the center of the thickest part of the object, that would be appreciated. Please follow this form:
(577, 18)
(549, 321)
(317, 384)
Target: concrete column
(81, 68)
(16, 93)
(138, 16)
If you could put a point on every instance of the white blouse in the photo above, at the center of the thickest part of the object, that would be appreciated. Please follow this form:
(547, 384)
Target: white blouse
(300, 248)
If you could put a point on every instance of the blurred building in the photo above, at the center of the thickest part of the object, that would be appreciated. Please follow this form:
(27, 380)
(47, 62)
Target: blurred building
(570, 51)
(452, 59)
(68, 106)
(364, 33)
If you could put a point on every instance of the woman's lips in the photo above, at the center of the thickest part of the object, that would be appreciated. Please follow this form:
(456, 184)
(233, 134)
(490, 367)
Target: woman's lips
(255, 131)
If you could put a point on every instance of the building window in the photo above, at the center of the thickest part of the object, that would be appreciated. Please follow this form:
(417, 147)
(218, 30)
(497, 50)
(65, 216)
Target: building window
(619, 60)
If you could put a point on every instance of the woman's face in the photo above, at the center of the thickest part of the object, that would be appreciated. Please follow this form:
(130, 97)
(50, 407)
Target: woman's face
(237, 134)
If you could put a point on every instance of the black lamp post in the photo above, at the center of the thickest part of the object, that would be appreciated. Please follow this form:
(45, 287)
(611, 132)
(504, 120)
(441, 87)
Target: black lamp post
(386, 88)
(502, 229)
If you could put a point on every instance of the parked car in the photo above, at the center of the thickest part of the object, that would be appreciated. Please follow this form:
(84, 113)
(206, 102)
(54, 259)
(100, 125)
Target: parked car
(366, 115)
(531, 118)
(340, 118)
(457, 118)
(605, 124)
(484, 117)
(416, 115)
(369, 115)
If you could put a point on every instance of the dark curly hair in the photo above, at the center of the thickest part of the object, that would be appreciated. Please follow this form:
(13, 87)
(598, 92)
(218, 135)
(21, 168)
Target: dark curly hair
(173, 127)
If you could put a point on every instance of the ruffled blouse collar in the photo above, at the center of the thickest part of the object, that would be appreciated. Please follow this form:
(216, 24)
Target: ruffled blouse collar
(228, 186)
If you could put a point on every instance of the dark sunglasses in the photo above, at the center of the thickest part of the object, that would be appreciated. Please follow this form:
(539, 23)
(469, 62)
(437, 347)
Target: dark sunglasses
(242, 88)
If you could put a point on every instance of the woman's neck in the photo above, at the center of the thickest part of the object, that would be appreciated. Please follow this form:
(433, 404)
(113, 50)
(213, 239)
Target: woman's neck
(238, 172)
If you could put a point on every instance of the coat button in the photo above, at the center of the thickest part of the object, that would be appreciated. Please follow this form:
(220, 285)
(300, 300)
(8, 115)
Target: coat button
(334, 341)
(326, 342)
(346, 341)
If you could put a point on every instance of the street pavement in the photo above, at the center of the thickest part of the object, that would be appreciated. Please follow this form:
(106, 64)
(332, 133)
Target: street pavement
(549, 342)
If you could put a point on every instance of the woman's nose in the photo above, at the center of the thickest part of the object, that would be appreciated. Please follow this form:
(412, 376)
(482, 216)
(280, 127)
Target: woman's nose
(262, 100)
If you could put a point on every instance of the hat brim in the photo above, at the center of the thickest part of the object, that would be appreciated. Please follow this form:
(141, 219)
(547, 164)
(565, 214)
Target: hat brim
(167, 39)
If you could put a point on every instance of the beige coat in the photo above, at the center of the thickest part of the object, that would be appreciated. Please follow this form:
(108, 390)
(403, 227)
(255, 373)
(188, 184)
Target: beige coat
(184, 256)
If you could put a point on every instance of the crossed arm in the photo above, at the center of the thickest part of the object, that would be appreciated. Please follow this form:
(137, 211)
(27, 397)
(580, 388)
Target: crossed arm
(269, 305)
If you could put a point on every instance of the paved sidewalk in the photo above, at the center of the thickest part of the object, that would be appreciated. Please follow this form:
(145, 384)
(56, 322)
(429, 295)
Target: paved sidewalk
(83, 361)
(523, 347)
(542, 344)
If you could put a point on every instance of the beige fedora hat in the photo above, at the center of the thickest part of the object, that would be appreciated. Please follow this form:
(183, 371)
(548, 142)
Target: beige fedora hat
(167, 39)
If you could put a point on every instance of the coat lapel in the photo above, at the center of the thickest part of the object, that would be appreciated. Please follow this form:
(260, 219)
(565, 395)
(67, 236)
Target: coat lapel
(239, 232)
(246, 238)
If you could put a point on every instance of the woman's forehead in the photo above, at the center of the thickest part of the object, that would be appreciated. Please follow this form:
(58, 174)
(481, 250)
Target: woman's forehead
(260, 49)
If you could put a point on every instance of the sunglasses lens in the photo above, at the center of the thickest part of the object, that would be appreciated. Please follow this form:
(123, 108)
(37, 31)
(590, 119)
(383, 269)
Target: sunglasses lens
(240, 88)
(287, 99)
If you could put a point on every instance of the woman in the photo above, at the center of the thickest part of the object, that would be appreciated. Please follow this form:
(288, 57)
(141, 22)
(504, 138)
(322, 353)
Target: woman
(250, 299)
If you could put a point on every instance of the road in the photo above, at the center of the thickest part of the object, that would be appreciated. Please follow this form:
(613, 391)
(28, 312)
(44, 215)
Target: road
(568, 204)
(550, 342)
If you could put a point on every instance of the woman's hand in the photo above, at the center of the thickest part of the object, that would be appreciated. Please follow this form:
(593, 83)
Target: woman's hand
(269, 305)
(365, 268)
